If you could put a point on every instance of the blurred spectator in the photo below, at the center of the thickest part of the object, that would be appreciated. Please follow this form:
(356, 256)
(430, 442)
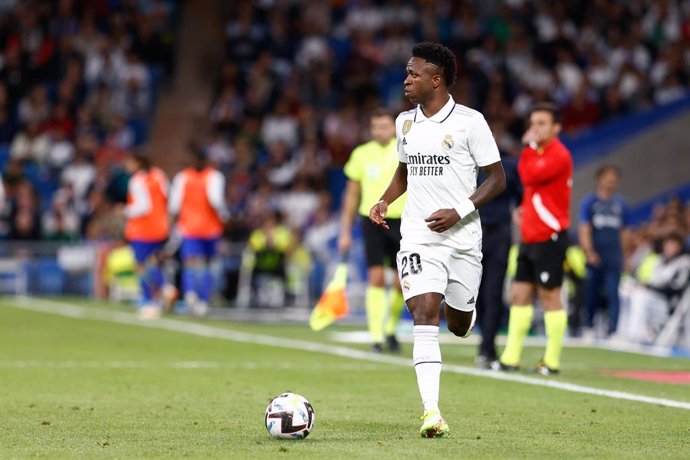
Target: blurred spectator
(24, 216)
(131, 96)
(80, 174)
(100, 221)
(651, 302)
(299, 203)
(30, 144)
(219, 151)
(226, 112)
(312, 162)
(60, 152)
(581, 112)
(280, 126)
(271, 243)
(61, 221)
(34, 108)
(120, 135)
(280, 167)
(60, 119)
(7, 128)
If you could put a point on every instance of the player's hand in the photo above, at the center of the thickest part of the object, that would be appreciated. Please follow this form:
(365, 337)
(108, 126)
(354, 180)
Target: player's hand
(377, 214)
(442, 220)
(517, 216)
(530, 138)
(593, 258)
(344, 243)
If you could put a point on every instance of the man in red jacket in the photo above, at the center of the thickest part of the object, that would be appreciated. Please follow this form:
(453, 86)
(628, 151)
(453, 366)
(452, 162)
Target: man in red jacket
(546, 172)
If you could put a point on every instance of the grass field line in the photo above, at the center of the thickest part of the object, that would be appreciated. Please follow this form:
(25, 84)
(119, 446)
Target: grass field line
(75, 311)
(191, 365)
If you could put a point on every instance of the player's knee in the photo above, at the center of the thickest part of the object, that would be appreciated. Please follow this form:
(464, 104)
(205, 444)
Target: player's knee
(458, 329)
(519, 298)
(376, 276)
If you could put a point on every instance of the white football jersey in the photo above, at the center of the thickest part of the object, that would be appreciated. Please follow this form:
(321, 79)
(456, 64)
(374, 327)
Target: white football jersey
(443, 155)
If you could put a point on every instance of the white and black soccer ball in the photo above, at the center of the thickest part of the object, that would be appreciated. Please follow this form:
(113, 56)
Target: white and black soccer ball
(289, 416)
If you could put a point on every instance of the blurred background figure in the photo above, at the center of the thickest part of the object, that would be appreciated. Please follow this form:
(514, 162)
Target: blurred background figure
(604, 222)
(497, 226)
(147, 229)
(197, 203)
(271, 244)
(546, 170)
(652, 302)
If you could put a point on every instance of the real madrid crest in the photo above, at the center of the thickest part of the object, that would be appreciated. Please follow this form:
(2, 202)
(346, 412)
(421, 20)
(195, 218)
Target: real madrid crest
(407, 126)
(447, 142)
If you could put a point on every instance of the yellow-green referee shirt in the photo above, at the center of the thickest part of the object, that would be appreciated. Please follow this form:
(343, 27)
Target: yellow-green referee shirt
(373, 165)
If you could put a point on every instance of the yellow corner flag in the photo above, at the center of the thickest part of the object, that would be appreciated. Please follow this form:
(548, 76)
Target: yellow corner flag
(333, 303)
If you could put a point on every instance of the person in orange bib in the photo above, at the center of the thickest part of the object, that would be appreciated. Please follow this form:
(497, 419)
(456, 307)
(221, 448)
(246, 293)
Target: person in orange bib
(147, 229)
(197, 200)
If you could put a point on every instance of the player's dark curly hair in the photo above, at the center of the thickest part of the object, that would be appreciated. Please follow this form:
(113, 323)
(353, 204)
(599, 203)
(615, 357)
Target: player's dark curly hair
(439, 55)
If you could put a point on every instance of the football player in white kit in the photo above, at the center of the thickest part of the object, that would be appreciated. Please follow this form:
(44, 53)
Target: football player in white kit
(441, 146)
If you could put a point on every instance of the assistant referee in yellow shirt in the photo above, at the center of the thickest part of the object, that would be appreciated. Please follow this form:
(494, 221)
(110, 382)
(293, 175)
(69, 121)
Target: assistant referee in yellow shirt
(369, 171)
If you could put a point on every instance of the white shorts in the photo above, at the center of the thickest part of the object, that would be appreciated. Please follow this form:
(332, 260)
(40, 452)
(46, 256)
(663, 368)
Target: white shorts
(454, 273)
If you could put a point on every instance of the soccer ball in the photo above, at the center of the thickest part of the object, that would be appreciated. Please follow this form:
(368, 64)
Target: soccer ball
(289, 416)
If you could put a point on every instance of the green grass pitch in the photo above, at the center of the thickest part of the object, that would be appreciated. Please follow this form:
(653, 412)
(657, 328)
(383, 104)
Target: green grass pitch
(96, 386)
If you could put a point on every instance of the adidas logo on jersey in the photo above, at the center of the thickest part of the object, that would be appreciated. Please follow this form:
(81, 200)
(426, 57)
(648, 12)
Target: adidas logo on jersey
(471, 301)
(404, 142)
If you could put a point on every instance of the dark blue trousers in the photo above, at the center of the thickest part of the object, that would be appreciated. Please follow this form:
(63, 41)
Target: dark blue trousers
(602, 281)
(491, 310)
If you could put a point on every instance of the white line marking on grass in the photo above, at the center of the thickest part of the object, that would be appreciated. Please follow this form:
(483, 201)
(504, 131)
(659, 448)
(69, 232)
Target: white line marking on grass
(38, 364)
(187, 365)
(62, 309)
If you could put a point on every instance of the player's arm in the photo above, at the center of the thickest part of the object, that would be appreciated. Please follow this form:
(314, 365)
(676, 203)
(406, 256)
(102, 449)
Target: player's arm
(215, 191)
(140, 200)
(176, 192)
(350, 202)
(545, 168)
(584, 231)
(495, 183)
(395, 189)
(493, 186)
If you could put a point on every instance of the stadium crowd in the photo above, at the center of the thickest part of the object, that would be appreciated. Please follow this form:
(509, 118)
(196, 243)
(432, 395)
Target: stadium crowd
(77, 88)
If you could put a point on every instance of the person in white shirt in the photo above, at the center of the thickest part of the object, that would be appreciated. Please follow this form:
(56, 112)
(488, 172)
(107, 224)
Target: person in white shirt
(651, 302)
(441, 146)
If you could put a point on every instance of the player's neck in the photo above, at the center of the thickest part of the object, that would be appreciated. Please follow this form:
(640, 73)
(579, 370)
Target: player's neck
(435, 104)
(604, 195)
(543, 144)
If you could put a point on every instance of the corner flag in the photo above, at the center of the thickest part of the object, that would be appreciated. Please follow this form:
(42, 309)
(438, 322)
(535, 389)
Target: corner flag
(333, 303)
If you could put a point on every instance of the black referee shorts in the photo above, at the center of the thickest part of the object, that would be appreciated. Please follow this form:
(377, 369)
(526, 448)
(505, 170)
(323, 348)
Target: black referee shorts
(542, 263)
(381, 244)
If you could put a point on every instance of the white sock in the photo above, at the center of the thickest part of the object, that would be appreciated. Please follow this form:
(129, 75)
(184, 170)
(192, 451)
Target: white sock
(426, 355)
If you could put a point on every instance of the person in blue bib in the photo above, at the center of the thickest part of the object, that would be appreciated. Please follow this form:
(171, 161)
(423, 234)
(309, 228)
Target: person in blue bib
(604, 218)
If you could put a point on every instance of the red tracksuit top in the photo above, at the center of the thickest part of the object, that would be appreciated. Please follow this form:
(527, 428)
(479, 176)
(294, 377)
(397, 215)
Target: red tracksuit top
(547, 178)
